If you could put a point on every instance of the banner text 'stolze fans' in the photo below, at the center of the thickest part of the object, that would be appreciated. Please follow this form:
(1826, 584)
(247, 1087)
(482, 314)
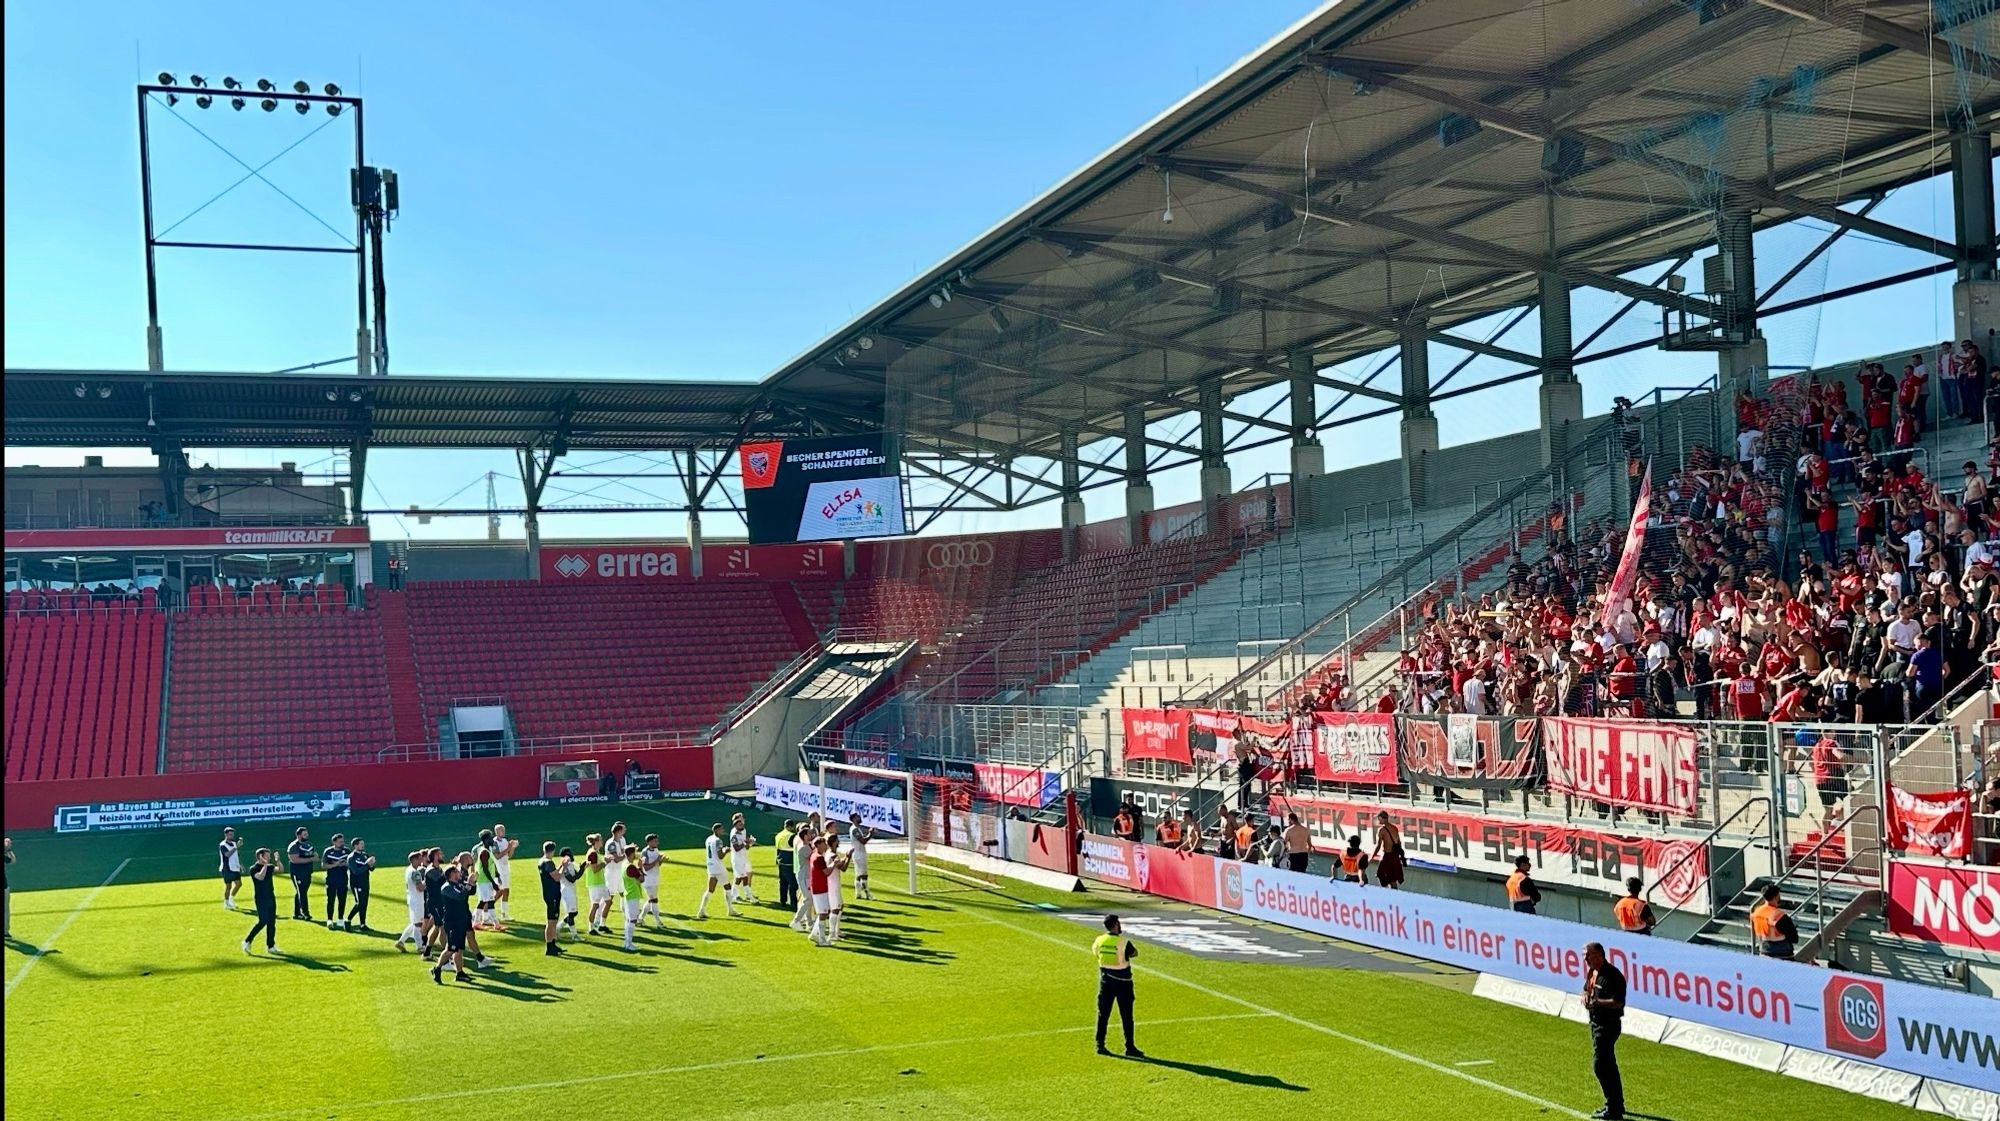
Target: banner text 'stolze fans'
(1621, 763)
(823, 489)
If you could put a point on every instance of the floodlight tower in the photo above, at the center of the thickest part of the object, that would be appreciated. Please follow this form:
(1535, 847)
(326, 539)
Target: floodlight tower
(373, 193)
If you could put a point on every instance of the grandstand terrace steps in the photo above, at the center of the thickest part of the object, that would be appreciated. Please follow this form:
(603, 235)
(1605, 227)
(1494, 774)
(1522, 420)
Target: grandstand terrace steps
(276, 687)
(406, 706)
(600, 659)
(82, 694)
(1269, 594)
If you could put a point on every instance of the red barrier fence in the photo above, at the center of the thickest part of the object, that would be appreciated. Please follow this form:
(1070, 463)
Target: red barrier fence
(32, 805)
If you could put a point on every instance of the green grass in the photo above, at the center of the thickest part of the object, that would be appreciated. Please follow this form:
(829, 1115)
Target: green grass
(969, 1004)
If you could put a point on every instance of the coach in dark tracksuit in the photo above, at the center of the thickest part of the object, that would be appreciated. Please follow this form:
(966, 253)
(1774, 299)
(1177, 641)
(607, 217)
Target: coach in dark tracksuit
(299, 856)
(788, 873)
(360, 862)
(1114, 954)
(265, 893)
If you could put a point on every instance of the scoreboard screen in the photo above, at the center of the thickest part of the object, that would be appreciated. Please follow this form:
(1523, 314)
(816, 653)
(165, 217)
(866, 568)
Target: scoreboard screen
(824, 488)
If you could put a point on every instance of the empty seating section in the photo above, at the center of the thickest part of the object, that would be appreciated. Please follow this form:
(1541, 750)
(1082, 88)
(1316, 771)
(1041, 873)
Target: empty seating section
(266, 598)
(890, 608)
(1053, 621)
(82, 688)
(614, 658)
(275, 688)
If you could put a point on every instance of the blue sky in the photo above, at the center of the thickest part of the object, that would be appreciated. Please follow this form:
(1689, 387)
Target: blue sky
(666, 190)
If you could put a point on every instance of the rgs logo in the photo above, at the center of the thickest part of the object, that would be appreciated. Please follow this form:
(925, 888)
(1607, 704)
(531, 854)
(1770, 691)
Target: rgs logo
(1856, 1023)
(1232, 885)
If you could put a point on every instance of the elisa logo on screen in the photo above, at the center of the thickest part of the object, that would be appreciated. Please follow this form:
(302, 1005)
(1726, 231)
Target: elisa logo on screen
(1232, 885)
(1856, 1023)
(760, 463)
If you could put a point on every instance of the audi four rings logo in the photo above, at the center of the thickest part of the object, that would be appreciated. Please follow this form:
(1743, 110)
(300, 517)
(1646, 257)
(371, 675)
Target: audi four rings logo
(571, 565)
(960, 554)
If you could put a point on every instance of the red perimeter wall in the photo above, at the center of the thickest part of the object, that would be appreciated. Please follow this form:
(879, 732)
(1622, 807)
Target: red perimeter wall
(32, 805)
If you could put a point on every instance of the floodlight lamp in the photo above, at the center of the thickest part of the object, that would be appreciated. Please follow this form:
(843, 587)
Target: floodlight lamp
(301, 106)
(166, 79)
(197, 81)
(937, 299)
(1167, 215)
(172, 101)
(354, 396)
(333, 394)
(333, 109)
(81, 390)
(332, 90)
(865, 342)
(103, 392)
(231, 84)
(300, 86)
(267, 105)
(203, 102)
(236, 103)
(853, 353)
(264, 85)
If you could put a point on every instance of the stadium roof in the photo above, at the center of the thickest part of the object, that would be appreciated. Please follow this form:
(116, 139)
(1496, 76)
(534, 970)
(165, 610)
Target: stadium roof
(92, 409)
(1382, 167)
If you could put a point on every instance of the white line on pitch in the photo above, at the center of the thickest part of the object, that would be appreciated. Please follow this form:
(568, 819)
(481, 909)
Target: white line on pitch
(1322, 1028)
(1474, 1063)
(720, 1064)
(15, 981)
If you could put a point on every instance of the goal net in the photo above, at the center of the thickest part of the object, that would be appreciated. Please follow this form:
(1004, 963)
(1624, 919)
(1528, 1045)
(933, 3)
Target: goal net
(915, 823)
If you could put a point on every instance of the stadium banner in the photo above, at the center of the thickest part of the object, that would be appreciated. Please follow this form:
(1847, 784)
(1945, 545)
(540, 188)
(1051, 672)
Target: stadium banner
(1916, 1029)
(1643, 765)
(823, 488)
(1046, 847)
(1562, 854)
(406, 809)
(879, 813)
(960, 558)
(1016, 786)
(1173, 521)
(1955, 905)
(1355, 747)
(233, 537)
(575, 779)
(1211, 734)
(1187, 876)
(1158, 733)
(1107, 536)
(1466, 752)
(162, 813)
(1937, 824)
(1155, 800)
(820, 560)
(1262, 508)
(571, 563)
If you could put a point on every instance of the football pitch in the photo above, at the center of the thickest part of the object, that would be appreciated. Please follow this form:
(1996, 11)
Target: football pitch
(127, 996)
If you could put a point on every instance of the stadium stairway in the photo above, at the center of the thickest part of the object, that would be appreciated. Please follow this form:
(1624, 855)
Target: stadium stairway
(406, 705)
(1844, 902)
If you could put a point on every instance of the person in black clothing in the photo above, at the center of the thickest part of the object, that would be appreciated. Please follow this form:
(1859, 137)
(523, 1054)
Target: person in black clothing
(333, 858)
(434, 876)
(264, 890)
(1604, 1000)
(1114, 953)
(551, 878)
(299, 856)
(455, 911)
(360, 862)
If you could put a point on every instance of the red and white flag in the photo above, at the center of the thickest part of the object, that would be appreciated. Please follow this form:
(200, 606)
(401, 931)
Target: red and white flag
(1635, 543)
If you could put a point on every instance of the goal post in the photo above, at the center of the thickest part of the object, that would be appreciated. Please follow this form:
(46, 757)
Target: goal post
(886, 800)
(918, 813)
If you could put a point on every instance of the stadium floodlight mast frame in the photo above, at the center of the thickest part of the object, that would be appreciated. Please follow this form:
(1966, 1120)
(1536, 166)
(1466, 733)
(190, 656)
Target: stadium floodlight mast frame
(911, 806)
(373, 191)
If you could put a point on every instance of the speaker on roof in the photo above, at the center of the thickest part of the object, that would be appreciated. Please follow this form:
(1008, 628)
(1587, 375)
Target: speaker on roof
(1562, 157)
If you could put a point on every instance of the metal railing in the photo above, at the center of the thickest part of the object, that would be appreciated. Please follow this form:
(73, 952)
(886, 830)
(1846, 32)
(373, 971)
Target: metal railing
(1809, 862)
(766, 689)
(1706, 847)
(554, 745)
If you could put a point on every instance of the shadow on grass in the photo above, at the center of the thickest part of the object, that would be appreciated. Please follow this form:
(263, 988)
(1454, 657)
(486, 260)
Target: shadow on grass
(615, 966)
(1240, 1077)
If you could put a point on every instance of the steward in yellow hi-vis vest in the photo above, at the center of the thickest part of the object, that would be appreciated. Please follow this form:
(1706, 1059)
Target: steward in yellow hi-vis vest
(1114, 953)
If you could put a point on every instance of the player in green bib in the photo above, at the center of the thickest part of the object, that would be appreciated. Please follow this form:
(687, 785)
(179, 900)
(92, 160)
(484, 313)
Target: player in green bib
(594, 885)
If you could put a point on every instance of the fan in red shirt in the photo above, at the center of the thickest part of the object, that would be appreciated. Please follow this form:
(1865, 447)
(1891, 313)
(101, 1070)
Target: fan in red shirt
(1773, 660)
(1746, 696)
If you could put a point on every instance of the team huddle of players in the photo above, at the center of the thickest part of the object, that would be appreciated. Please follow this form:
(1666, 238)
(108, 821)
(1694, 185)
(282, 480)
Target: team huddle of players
(451, 899)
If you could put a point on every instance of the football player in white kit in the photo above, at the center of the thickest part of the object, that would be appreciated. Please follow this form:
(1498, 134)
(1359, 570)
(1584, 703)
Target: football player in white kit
(858, 836)
(837, 862)
(568, 872)
(594, 877)
(801, 858)
(650, 860)
(740, 841)
(634, 878)
(503, 853)
(413, 895)
(717, 875)
(615, 847)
